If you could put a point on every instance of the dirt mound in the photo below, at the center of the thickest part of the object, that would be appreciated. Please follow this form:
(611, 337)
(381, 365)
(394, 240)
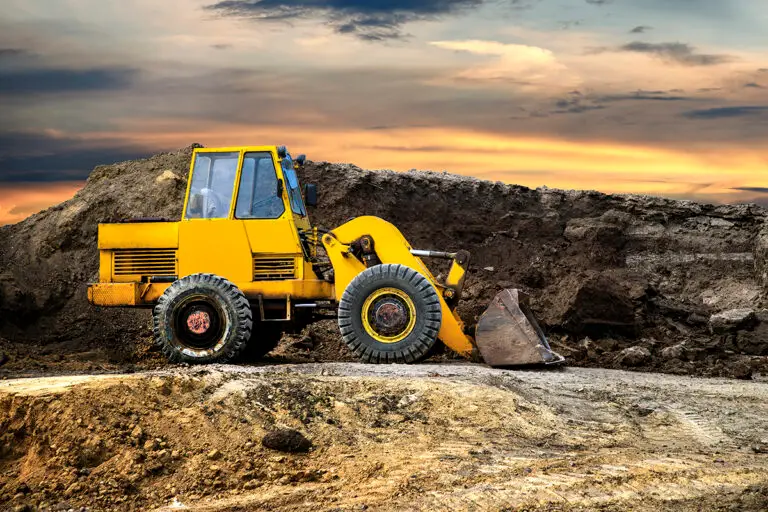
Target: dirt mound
(393, 437)
(620, 270)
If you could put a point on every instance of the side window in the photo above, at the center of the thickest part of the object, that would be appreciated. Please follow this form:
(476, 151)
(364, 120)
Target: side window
(257, 198)
(297, 203)
(213, 181)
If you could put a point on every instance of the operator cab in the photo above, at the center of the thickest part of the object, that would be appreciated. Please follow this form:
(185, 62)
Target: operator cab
(262, 181)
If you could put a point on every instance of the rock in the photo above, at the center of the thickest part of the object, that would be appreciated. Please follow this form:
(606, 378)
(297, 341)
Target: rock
(634, 356)
(740, 370)
(286, 440)
(137, 432)
(168, 176)
(151, 445)
(731, 320)
(674, 352)
(214, 454)
(593, 303)
(3, 358)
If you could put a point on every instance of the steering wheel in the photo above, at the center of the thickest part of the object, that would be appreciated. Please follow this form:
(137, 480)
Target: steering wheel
(216, 201)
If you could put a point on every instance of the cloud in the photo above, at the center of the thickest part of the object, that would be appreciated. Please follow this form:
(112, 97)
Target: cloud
(45, 157)
(11, 52)
(761, 190)
(54, 80)
(599, 2)
(753, 85)
(725, 112)
(646, 96)
(677, 53)
(640, 29)
(368, 20)
(221, 46)
(517, 64)
(576, 102)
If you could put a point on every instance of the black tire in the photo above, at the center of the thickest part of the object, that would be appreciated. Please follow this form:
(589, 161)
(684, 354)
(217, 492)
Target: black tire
(202, 318)
(421, 338)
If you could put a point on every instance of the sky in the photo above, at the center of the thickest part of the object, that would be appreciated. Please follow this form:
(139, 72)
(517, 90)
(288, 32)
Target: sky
(662, 97)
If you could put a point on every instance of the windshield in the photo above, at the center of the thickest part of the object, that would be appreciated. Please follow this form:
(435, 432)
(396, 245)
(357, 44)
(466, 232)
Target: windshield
(213, 179)
(297, 203)
(258, 197)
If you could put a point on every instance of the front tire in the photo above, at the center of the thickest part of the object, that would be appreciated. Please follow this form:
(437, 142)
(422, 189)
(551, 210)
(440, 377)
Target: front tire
(202, 318)
(390, 314)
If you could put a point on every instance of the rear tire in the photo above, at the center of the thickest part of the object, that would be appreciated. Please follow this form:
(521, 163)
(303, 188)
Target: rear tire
(202, 318)
(390, 314)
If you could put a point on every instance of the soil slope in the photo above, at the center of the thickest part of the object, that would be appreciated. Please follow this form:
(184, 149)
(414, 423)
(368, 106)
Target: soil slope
(617, 280)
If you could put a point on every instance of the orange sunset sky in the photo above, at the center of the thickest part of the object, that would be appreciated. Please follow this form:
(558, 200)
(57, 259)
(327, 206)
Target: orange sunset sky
(664, 97)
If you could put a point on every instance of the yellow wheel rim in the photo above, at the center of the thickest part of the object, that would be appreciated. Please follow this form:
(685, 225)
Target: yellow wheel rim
(389, 315)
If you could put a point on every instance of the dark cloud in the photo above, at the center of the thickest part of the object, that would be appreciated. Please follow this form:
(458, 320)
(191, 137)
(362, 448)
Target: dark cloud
(678, 53)
(52, 80)
(221, 46)
(11, 52)
(599, 2)
(761, 190)
(575, 103)
(725, 112)
(640, 29)
(646, 96)
(39, 157)
(374, 20)
(754, 85)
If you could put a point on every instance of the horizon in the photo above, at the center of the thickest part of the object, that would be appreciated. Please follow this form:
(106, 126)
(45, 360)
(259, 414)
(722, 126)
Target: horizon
(667, 98)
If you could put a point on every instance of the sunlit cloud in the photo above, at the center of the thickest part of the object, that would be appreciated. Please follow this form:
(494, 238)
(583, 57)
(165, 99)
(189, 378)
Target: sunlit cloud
(515, 64)
(18, 202)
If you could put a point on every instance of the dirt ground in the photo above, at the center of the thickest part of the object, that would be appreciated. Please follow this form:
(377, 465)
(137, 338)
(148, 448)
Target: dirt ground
(384, 437)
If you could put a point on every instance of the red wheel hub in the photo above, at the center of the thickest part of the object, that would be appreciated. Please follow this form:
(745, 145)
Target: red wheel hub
(198, 322)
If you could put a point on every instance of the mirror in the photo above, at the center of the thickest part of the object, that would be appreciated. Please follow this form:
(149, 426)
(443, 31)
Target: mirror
(310, 194)
(280, 188)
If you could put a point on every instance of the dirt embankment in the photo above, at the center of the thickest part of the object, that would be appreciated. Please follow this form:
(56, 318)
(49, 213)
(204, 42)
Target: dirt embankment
(385, 438)
(618, 281)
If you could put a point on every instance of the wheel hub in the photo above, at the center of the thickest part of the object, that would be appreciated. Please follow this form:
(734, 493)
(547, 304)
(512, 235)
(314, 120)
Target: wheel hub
(198, 322)
(389, 316)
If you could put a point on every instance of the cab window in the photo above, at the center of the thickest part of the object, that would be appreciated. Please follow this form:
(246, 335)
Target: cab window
(258, 195)
(297, 203)
(213, 181)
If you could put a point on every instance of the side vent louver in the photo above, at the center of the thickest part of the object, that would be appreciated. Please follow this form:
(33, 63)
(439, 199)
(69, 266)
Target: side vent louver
(145, 262)
(273, 267)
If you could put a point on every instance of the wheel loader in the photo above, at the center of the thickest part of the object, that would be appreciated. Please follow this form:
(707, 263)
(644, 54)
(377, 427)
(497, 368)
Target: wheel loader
(244, 264)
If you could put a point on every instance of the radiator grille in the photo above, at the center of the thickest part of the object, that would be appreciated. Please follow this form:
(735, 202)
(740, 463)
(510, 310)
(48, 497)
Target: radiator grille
(273, 267)
(144, 262)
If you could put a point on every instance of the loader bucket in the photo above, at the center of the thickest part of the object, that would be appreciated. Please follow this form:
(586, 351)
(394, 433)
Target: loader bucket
(507, 334)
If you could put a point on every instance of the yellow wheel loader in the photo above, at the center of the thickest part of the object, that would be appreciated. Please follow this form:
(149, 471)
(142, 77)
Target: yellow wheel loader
(243, 265)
